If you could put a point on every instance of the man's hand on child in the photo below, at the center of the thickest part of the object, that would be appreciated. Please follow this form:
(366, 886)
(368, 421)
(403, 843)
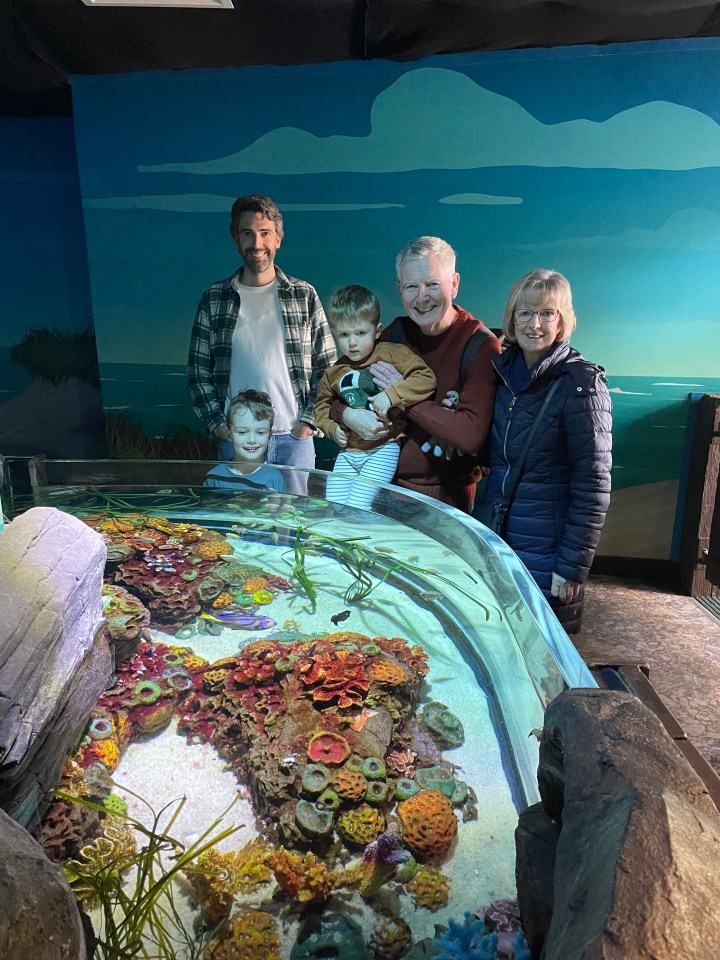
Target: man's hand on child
(341, 438)
(385, 374)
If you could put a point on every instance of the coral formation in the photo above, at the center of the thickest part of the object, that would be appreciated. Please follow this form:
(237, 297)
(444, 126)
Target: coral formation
(327, 747)
(349, 784)
(429, 824)
(303, 876)
(430, 888)
(110, 854)
(442, 724)
(391, 937)
(248, 935)
(361, 825)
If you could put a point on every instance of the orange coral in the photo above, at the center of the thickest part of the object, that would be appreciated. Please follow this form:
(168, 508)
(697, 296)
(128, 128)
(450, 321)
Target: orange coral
(335, 673)
(212, 548)
(247, 936)
(349, 784)
(429, 824)
(430, 888)
(106, 751)
(303, 876)
(261, 650)
(255, 583)
(223, 599)
(388, 672)
(346, 636)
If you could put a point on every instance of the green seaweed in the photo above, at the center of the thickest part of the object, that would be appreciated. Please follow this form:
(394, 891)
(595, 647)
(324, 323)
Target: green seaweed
(139, 917)
(362, 565)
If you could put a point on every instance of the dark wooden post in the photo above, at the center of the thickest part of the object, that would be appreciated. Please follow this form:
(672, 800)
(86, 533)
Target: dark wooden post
(713, 560)
(702, 495)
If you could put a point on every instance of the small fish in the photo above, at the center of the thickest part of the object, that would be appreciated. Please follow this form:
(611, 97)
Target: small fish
(341, 617)
(240, 621)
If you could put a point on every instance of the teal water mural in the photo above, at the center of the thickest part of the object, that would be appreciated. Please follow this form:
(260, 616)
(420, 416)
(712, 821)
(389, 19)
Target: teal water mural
(601, 162)
(648, 413)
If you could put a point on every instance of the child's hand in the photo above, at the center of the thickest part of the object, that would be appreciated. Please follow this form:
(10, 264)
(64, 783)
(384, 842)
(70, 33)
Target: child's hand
(341, 438)
(381, 404)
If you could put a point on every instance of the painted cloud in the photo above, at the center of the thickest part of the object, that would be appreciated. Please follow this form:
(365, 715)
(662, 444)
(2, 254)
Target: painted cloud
(494, 131)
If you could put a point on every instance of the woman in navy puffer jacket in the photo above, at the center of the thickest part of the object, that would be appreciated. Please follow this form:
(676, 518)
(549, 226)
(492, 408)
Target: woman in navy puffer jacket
(559, 507)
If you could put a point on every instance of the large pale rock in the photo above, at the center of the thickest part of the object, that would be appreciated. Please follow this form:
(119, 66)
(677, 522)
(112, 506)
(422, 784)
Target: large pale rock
(636, 858)
(39, 917)
(54, 663)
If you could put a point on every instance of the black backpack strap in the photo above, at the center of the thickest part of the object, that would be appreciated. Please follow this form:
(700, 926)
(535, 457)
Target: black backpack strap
(470, 350)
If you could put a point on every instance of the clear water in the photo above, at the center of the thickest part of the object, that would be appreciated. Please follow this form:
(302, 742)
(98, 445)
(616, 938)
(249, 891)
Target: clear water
(435, 578)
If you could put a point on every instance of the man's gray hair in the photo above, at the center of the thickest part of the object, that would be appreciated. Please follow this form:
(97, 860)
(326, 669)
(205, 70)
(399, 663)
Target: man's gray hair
(423, 247)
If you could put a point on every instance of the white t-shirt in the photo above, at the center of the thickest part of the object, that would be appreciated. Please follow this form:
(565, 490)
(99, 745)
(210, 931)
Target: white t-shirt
(258, 354)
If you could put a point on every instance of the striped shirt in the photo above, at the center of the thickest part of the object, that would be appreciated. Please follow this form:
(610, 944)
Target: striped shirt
(309, 346)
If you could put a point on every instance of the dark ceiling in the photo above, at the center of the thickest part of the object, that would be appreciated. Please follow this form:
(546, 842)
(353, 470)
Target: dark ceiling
(43, 41)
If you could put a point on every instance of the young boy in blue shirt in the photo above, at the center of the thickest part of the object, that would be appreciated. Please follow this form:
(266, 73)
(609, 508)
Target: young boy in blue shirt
(249, 418)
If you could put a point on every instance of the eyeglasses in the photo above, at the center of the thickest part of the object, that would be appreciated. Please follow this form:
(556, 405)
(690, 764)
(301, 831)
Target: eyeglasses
(524, 317)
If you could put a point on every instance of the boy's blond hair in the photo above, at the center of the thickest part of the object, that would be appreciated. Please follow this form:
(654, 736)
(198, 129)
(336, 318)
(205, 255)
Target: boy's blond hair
(353, 302)
(256, 401)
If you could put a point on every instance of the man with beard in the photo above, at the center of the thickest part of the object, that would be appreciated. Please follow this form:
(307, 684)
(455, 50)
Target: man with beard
(260, 329)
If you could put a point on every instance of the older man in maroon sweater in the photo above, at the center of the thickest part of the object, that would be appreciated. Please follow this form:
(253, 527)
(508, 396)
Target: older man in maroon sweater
(439, 332)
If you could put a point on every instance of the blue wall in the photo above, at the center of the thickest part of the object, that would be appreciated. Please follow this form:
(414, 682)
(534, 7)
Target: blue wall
(602, 162)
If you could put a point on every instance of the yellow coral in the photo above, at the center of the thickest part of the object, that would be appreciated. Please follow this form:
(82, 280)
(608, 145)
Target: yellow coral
(248, 936)
(302, 876)
(429, 824)
(218, 877)
(111, 853)
(361, 825)
(430, 888)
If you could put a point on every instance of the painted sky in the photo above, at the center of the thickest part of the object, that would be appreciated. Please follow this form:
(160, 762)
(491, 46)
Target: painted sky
(603, 163)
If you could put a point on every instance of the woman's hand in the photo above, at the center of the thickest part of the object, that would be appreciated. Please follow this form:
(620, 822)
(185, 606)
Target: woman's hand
(222, 433)
(565, 590)
(384, 374)
(341, 437)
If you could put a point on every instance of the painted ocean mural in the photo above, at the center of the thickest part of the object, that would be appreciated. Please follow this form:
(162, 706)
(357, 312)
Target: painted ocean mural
(601, 162)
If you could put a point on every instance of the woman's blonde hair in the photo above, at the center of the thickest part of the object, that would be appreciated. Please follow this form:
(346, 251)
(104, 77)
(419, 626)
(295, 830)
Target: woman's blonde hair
(537, 289)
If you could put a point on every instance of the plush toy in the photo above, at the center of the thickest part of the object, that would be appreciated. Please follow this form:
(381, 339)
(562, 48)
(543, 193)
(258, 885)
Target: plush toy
(356, 387)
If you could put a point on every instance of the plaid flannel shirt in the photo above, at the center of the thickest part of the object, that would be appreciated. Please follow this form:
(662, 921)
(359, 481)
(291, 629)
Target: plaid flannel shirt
(309, 345)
